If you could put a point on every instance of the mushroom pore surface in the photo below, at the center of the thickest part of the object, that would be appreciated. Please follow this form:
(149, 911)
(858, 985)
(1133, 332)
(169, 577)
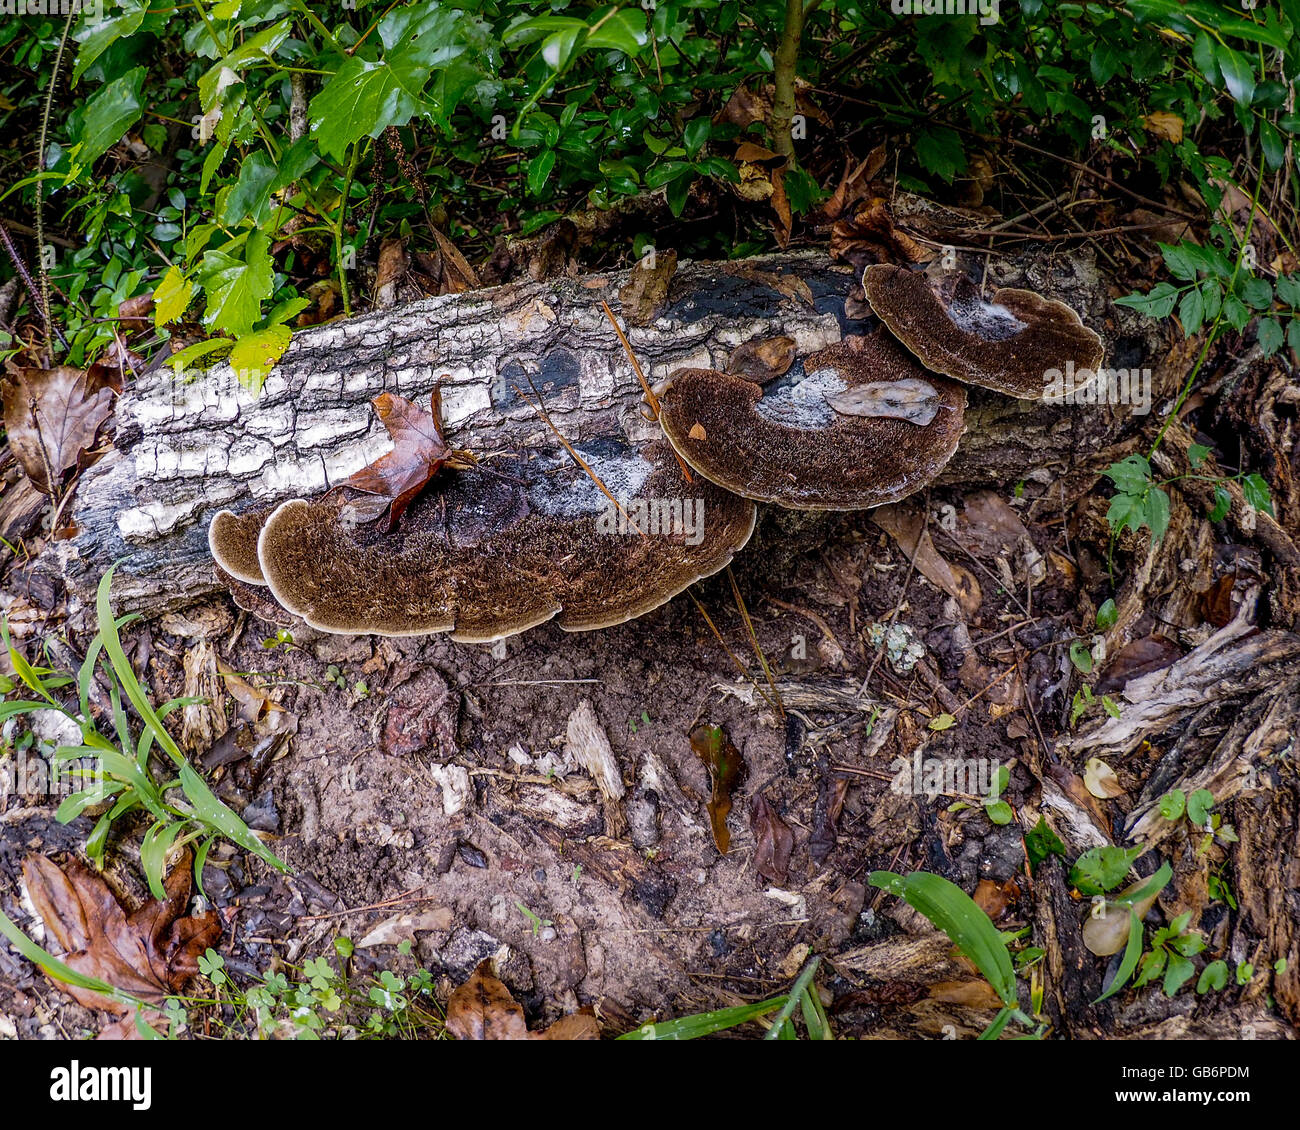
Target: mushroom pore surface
(1009, 344)
(789, 444)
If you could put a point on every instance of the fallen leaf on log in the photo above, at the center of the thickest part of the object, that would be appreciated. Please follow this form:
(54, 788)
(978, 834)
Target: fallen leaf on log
(1141, 657)
(725, 766)
(51, 417)
(483, 1009)
(419, 453)
(773, 839)
(1100, 780)
(150, 953)
(826, 816)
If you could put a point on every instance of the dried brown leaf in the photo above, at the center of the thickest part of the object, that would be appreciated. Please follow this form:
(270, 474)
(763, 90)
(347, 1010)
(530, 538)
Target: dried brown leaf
(483, 1009)
(773, 841)
(52, 417)
(419, 453)
(150, 953)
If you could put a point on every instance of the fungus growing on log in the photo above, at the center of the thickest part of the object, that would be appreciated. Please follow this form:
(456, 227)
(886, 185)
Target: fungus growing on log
(485, 556)
(1008, 343)
(859, 425)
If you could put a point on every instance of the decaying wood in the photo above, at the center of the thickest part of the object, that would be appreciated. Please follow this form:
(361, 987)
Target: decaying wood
(183, 449)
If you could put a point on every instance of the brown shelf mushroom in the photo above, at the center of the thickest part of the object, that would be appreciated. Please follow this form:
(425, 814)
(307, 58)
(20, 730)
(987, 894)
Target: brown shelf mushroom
(232, 540)
(1008, 344)
(485, 556)
(862, 426)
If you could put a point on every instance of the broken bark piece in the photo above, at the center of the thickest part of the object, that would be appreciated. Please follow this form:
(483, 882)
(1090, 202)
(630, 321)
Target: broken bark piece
(791, 444)
(587, 743)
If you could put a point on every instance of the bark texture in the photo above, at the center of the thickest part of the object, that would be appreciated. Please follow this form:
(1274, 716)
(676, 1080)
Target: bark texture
(182, 449)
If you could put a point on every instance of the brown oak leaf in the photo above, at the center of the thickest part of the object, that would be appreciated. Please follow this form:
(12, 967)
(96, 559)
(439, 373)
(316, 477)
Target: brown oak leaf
(483, 1009)
(419, 452)
(52, 416)
(149, 953)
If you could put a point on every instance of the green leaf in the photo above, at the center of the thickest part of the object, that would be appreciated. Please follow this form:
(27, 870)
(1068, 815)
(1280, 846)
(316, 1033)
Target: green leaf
(362, 100)
(1213, 977)
(1235, 312)
(236, 288)
(1107, 614)
(624, 31)
(999, 813)
(954, 912)
(226, 72)
(1191, 311)
(1040, 842)
(704, 1023)
(1157, 512)
(1178, 971)
(1238, 74)
(539, 171)
(939, 150)
(251, 193)
(1198, 807)
(98, 36)
(1256, 293)
(696, 134)
(1132, 474)
(1197, 453)
(1270, 335)
(1270, 141)
(1102, 869)
(1256, 490)
(1173, 804)
(254, 355)
(1179, 261)
(113, 109)
(1158, 302)
(1081, 656)
(1222, 503)
(1204, 57)
(171, 296)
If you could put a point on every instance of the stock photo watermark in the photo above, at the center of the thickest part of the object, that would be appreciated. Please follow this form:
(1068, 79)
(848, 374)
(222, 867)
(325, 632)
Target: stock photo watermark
(944, 776)
(678, 518)
(986, 10)
(1130, 387)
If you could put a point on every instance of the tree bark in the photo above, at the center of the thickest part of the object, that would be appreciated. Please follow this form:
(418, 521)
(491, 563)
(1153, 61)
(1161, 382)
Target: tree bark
(183, 449)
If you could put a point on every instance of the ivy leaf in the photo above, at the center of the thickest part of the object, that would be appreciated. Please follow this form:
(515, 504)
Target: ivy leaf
(1198, 807)
(1197, 453)
(113, 109)
(1257, 493)
(1173, 804)
(1040, 842)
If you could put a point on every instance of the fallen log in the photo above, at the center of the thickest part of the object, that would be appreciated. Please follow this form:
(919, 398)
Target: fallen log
(184, 448)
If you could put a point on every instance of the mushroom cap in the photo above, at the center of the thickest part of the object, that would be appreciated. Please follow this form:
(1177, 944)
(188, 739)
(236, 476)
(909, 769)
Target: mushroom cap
(487, 556)
(791, 445)
(232, 540)
(1008, 343)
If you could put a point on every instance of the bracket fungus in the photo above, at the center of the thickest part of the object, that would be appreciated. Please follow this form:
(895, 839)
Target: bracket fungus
(1009, 343)
(485, 555)
(860, 426)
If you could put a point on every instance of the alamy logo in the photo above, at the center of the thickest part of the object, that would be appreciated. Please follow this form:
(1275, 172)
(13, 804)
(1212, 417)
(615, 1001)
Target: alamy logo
(944, 776)
(93, 9)
(75, 1083)
(987, 10)
(681, 518)
(1099, 386)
